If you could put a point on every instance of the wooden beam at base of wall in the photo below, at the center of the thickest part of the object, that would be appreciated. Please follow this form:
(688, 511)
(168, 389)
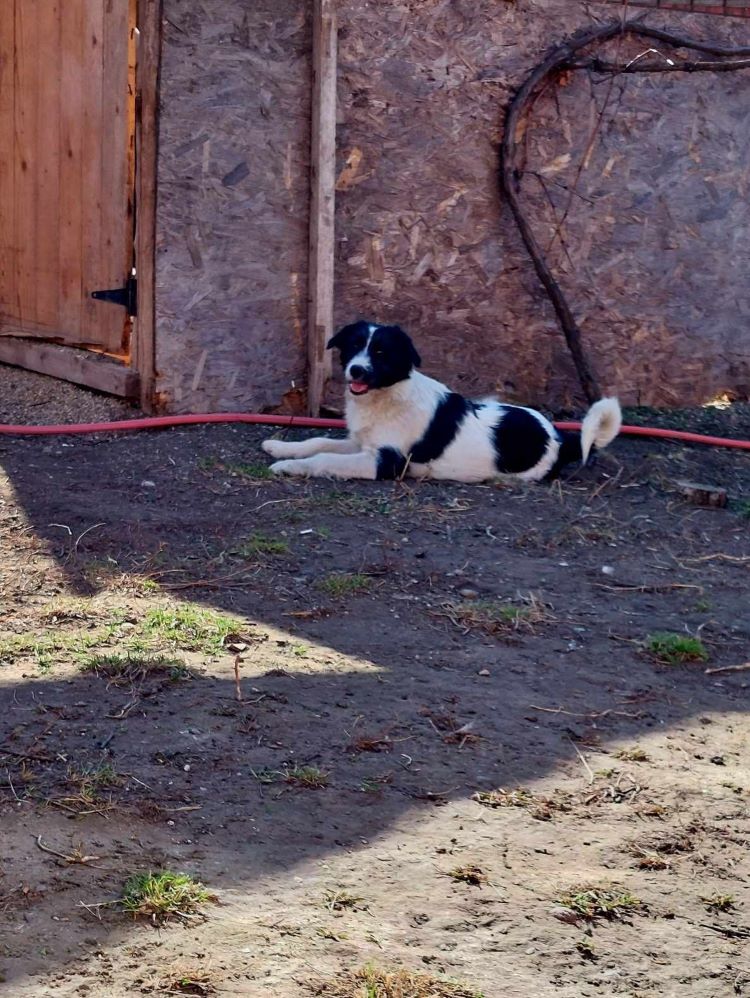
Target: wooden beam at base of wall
(82, 367)
(322, 205)
(149, 20)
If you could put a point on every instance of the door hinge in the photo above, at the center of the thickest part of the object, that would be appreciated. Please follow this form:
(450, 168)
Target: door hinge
(127, 296)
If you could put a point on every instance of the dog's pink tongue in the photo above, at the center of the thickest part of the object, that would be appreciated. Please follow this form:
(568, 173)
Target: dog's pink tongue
(358, 387)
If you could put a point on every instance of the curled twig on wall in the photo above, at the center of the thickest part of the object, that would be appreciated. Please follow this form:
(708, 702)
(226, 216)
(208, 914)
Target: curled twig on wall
(565, 57)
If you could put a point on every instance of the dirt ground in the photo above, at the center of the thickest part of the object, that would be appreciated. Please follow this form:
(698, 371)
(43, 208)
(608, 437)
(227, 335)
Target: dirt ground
(403, 653)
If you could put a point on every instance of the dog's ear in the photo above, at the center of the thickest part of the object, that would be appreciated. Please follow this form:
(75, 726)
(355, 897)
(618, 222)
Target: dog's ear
(409, 348)
(342, 337)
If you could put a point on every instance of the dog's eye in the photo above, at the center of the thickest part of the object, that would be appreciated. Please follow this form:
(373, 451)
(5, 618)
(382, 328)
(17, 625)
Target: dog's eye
(377, 352)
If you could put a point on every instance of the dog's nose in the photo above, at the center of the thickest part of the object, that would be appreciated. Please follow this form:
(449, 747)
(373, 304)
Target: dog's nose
(357, 372)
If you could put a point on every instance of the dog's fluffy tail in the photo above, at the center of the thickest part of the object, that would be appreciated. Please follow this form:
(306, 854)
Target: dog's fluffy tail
(600, 426)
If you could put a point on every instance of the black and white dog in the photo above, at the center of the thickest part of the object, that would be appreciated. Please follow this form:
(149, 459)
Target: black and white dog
(401, 422)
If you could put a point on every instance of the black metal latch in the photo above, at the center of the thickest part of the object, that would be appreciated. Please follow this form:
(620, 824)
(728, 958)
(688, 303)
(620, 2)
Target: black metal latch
(127, 296)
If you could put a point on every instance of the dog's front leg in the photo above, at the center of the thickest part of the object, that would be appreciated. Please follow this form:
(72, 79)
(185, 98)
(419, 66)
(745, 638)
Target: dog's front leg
(362, 465)
(307, 448)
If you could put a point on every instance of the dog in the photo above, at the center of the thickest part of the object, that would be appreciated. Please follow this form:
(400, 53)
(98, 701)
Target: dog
(401, 422)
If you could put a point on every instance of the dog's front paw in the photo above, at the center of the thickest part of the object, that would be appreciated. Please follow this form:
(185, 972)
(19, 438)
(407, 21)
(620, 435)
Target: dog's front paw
(276, 448)
(290, 468)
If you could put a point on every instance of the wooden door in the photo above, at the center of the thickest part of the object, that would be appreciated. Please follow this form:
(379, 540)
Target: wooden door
(67, 125)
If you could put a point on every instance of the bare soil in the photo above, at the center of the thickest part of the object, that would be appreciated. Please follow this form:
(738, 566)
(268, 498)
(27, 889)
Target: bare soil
(401, 650)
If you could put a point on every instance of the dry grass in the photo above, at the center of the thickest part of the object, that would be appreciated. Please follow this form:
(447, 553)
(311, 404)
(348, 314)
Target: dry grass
(308, 777)
(371, 982)
(470, 874)
(541, 808)
(633, 755)
(719, 902)
(593, 903)
(496, 618)
(342, 900)
(188, 982)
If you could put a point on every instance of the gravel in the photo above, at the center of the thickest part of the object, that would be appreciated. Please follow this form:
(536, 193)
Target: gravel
(34, 399)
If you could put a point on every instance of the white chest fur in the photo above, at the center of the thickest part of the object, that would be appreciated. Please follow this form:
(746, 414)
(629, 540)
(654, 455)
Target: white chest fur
(394, 417)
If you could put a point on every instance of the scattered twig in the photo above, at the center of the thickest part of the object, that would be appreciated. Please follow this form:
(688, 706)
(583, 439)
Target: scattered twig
(237, 689)
(583, 760)
(80, 859)
(745, 667)
(659, 588)
(733, 931)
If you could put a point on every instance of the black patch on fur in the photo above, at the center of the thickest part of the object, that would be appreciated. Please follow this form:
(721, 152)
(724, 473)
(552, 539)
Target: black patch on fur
(569, 453)
(350, 340)
(520, 441)
(391, 464)
(443, 428)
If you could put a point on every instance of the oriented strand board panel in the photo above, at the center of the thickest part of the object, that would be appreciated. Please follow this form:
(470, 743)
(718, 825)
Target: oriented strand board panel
(656, 240)
(233, 204)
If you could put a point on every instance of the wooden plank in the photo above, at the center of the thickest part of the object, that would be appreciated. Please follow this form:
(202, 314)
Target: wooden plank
(95, 316)
(47, 156)
(82, 367)
(113, 220)
(71, 171)
(322, 205)
(149, 14)
(7, 158)
(26, 161)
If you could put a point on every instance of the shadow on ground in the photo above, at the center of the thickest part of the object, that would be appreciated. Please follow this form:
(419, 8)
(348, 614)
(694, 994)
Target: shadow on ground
(376, 682)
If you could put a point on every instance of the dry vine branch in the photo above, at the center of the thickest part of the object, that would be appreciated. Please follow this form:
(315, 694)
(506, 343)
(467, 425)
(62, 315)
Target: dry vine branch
(564, 58)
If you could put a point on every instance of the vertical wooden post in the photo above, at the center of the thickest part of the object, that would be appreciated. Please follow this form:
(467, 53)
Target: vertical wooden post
(322, 205)
(149, 20)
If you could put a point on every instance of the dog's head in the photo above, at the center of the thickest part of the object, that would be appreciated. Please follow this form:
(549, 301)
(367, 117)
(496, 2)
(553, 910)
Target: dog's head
(374, 356)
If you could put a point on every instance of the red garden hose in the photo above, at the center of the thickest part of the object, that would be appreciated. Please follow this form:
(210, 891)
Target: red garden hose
(309, 422)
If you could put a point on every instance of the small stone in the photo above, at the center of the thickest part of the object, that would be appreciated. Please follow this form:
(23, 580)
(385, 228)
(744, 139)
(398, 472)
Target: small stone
(483, 672)
(563, 914)
(607, 570)
(147, 484)
(468, 593)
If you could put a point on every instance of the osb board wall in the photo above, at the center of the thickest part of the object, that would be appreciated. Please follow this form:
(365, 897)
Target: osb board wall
(656, 239)
(232, 216)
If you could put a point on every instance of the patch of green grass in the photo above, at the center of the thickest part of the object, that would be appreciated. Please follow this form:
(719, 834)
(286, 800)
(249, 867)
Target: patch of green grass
(496, 618)
(133, 667)
(743, 508)
(719, 902)
(592, 903)
(675, 649)
(372, 982)
(96, 777)
(354, 505)
(189, 628)
(237, 469)
(257, 545)
(300, 651)
(164, 895)
(45, 647)
(341, 584)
